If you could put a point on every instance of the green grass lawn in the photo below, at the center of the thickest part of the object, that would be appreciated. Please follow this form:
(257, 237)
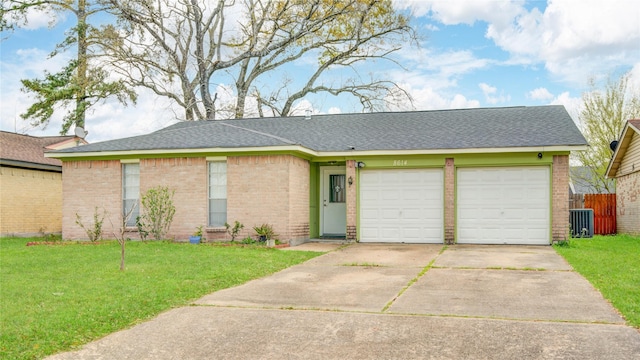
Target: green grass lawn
(612, 265)
(56, 298)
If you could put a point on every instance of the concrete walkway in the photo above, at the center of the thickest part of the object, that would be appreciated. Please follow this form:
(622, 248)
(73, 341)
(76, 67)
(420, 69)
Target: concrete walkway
(375, 301)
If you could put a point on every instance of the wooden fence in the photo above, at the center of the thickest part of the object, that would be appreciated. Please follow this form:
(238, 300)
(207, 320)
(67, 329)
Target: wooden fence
(604, 212)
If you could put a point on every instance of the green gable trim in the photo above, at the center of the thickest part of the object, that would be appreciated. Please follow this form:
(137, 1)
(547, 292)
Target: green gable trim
(314, 198)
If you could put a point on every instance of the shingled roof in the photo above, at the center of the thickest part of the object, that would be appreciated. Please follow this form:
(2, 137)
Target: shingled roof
(28, 151)
(482, 128)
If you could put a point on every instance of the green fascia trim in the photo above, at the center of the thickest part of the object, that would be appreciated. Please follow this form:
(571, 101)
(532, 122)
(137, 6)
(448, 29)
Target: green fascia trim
(506, 159)
(186, 155)
(403, 161)
(314, 196)
(335, 160)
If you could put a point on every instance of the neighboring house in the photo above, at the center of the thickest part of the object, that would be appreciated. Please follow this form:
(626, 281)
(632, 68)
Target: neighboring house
(625, 168)
(31, 184)
(490, 176)
(582, 179)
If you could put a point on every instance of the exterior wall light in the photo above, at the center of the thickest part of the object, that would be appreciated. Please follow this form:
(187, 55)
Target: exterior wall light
(350, 180)
(360, 164)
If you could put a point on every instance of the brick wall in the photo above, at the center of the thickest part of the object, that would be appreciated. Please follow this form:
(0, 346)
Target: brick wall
(189, 178)
(30, 202)
(298, 198)
(352, 206)
(87, 185)
(270, 189)
(449, 201)
(260, 189)
(560, 198)
(628, 203)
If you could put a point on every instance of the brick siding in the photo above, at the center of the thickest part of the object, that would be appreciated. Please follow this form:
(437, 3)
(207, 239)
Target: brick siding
(85, 186)
(560, 198)
(628, 203)
(449, 201)
(271, 189)
(260, 189)
(30, 202)
(352, 206)
(189, 178)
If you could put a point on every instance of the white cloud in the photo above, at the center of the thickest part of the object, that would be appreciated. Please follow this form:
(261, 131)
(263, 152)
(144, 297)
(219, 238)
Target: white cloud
(574, 40)
(27, 63)
(540, 94)
(489, 94)
(427, 98)
(462, 12)
(572, 104)
(42, 17)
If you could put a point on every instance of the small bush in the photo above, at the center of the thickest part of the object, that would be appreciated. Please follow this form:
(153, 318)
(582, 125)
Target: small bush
(248, 240)
(158, 211)
(233, 231)
(93, 230)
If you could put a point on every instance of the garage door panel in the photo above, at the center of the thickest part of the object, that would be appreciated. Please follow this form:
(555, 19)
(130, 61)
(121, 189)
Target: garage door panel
(503, 205)
(409, 203)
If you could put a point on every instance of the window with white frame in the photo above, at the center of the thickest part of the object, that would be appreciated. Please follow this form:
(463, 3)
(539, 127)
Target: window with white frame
(131, 191)
(217, 193)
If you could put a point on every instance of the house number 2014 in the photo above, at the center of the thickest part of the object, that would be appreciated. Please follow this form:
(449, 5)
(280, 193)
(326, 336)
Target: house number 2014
(400, 162)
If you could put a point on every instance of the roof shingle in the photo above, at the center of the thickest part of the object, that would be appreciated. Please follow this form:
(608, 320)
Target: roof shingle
(418, 130)
(28, 149)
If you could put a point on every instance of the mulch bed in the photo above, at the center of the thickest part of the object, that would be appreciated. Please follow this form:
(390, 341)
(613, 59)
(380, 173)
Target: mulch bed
(55, 243)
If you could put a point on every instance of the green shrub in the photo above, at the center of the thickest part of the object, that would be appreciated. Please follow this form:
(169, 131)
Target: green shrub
(158, 211)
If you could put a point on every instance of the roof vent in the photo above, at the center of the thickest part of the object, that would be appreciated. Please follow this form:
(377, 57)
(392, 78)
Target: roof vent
(613, 145)
(307, 114)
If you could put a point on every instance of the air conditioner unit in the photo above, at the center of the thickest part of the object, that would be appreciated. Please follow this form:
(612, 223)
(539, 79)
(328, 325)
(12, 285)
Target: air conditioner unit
(581, 222)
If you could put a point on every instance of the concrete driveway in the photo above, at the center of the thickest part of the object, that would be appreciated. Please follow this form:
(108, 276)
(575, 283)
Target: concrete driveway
(375, 301)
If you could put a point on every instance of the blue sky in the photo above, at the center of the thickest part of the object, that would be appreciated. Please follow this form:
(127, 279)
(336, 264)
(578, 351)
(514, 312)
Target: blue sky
(474, 53)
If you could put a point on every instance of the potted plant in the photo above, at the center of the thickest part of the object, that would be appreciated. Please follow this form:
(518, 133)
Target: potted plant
(265, 233)
(197, 236)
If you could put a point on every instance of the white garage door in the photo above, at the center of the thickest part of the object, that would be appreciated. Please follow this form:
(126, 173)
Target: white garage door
(503, 205)
(401, 205)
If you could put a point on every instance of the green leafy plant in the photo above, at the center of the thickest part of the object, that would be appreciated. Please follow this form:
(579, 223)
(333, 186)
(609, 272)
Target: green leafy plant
(233, 231)
(198, 231)
(142, 228)
(248, 240)
(93, 230)
(265, 231)
(158, 211)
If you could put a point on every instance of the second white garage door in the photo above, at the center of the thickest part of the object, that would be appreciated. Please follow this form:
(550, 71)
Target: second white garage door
(503, 205)
(401, 205)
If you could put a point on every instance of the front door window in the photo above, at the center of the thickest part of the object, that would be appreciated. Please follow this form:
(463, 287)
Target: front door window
(337, 194)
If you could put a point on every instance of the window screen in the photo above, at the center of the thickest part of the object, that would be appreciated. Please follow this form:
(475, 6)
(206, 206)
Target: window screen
(217, 193)
(131, 191)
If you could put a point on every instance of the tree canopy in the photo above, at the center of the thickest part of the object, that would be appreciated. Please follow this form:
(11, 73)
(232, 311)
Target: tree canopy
(604, 113)
(83, 81)
(182, 49)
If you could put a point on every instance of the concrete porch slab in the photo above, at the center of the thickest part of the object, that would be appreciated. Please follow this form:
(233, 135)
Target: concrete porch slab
(314, 246)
